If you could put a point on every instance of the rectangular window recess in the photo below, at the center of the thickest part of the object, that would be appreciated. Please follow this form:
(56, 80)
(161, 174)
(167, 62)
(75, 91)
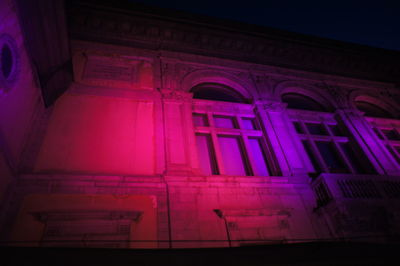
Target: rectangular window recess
(391, 134)
(206, 153)
(336, 130)
(248, 123)
(259, 157)
(200, 120)
(331, 158)
(311, 155)
(316, 129)
(233, 156)
(298, 127)
(225, 121)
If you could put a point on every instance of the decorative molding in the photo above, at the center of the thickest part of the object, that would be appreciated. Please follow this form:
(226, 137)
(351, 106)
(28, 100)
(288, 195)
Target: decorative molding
(257, 212)
(76, 215)
(99, 24)
(101, 228)
(311, 115)
(106, 70)
(214, 75)
(222, 107)
(176, 95)
(337, 93)
(274, 106)
(385, 93)
(101, 67)
(353, 113)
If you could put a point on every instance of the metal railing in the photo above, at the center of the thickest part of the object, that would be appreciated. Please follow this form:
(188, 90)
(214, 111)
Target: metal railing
(341, 186)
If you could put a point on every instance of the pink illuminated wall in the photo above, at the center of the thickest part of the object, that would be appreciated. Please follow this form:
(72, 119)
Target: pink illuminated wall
(30, 229)
(96, 134)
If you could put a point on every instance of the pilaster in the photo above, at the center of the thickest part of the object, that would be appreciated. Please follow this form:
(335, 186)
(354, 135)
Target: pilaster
(278, 131)
(179, 138)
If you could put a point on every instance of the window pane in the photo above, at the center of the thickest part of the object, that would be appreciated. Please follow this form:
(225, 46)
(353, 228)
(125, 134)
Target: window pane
(258, 156)
(312, 156)
(248, 123)
(336, 130)
(200, 120)
(397, 156)
(391, 134)
(394, 153)
(378, 133)
(206, 154)
(316, 129)
(298, 127)
(224, 121)
(353, 159)
(331, 158)
(232, 155)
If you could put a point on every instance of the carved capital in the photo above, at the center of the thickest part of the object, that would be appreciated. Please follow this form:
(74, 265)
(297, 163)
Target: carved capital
(175, 95)
(338, 93)
(272, 106)
(351, 112)
(385, 93)
(145, 30)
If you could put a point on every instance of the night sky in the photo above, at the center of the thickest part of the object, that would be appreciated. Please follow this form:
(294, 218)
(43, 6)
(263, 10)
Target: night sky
(373, 23)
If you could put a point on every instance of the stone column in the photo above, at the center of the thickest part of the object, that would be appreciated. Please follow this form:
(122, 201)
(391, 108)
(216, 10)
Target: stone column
(279, 131)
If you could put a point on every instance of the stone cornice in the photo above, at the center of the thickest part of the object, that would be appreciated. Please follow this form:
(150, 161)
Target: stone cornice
(258, 70)
(104, 24)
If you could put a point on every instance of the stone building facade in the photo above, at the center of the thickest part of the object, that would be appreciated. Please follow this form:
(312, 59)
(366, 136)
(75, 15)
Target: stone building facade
(180, 131)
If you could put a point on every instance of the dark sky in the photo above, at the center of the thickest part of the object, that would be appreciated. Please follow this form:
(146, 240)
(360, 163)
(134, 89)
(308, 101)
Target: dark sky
(373, 23)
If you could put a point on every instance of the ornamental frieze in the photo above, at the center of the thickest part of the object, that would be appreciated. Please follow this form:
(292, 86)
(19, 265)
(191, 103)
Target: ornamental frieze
(223, 108)
(175, 95)
(272, 106)
(337, 93)
(153, 33)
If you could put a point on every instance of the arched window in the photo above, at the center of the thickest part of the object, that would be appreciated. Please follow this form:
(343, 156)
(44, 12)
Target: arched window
(325, 141)
(229, 137)
(217, 92)
(384, 125)
(302, 102)
(372, 110)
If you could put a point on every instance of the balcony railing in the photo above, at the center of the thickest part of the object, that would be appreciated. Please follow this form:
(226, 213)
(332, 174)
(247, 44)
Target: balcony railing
(342, 187)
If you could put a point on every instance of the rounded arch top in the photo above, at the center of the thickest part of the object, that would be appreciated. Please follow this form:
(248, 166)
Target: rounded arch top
(302, 102)
(222, 78)
(373, 105)
(305, 91)
(217, 92)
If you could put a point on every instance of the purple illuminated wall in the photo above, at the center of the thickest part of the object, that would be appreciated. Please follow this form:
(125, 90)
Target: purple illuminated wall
(128, 158)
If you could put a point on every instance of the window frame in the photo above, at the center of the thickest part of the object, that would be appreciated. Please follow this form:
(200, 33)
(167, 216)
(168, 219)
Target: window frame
(379, 124)
(326, 120)
(237, 111)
